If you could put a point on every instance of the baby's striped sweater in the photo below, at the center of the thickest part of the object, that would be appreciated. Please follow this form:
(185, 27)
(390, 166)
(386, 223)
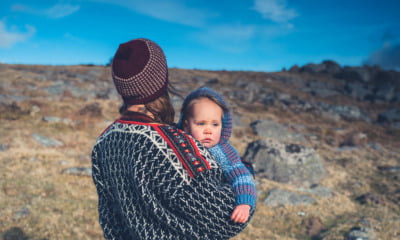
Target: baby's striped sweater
(236, 173)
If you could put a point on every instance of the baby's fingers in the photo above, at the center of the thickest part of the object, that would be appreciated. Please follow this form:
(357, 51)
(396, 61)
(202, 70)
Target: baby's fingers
(239, 217)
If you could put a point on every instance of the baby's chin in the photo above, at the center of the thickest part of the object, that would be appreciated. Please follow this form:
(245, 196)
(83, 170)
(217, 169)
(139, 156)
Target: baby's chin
(208, 145)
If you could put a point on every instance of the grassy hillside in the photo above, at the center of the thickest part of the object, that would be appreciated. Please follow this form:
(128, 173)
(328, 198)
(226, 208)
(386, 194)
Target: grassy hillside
(51, 116)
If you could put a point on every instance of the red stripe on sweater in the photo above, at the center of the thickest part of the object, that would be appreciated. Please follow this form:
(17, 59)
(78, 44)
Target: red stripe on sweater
(178, 154)
(196, 149)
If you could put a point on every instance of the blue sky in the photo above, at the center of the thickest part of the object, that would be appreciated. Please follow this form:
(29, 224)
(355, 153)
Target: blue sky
(255, 35)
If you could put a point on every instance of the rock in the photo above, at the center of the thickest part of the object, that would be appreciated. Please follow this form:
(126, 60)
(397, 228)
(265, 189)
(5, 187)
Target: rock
(23, 212)
(56, 89)
(278, 197)
(318, 190)
(52, 119)
(4, 147)
(328, 66)
(321, 89)
(358, 90)
(376, 146)
(248, 91)
(79, 171)
(294, 69)
(270, 129)
(331, 67)
(313, 68)
(389, 117)
(360, 74)
(349, 113)
(285, 163)
(48, 142)
(384, 93)
(212, 81)
(14, 233)
(269, 99)
(389, 168)
(370, 198)
(360, 233)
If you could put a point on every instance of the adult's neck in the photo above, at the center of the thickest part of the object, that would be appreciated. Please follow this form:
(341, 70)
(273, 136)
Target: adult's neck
(141, 108)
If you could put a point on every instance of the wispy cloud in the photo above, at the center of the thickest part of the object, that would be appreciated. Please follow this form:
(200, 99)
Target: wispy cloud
(61, 10)
(176, 11)
(9, 38)
(275, 10)
(227, 38)
(56, 11)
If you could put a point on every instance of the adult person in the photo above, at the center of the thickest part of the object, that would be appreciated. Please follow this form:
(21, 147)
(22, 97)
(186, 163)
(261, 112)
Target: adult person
(153, 180)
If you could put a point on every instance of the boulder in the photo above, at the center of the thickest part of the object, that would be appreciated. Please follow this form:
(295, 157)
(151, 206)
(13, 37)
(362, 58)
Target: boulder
(361, 74)
(270, 129)
(279, 197)
(390, 117)
(286, 163)
(358, 90)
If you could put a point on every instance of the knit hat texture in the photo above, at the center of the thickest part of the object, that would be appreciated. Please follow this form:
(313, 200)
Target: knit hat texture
(139, 71)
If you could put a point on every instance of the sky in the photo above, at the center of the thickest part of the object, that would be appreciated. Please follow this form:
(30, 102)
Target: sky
(234, 35)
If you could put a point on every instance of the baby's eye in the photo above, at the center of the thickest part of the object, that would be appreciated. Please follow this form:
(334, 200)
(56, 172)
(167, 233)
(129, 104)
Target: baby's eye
(199, 123)
(215, 124)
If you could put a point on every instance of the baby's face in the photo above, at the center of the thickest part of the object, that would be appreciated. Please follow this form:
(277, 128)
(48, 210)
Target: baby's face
(205, 122)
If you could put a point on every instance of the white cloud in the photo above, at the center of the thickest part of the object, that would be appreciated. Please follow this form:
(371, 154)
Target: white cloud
(275, 10)
(56, 11)
(61, 10)
(227, 38)
(175, 11)
(9, 38)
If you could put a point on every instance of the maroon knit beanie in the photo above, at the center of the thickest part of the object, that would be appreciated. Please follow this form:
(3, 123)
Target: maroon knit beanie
(140, 72)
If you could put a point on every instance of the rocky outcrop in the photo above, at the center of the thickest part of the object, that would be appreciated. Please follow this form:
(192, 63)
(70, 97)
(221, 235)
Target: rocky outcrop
(366, 83)
(285, 163)
(390, 117)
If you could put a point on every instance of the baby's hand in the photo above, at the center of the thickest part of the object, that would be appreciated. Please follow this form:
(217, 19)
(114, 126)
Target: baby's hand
(241, 213)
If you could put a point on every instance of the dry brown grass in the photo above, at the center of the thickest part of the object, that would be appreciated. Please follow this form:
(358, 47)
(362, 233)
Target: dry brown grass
(61, 206)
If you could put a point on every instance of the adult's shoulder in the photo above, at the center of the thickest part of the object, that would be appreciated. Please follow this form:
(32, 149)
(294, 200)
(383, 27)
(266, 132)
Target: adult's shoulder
(193, 156)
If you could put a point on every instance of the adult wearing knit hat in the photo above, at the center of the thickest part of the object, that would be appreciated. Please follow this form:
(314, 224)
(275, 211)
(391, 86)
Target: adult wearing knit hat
(150, 175)
(139, 70)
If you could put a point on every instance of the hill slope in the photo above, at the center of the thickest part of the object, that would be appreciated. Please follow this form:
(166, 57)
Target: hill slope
(51, 116)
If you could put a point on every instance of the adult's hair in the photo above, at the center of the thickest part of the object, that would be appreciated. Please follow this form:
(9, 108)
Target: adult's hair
(161, 108)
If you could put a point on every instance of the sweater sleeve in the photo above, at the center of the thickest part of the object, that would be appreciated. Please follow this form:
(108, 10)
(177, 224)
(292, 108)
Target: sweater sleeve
(236, 173)
(109, 220)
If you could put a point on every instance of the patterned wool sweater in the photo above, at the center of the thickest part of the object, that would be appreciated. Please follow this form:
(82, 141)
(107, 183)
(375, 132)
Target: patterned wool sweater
(156, 182)
(236, 173)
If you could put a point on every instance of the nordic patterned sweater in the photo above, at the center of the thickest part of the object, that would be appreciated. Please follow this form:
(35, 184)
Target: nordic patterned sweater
(156, 182)
(236, 173)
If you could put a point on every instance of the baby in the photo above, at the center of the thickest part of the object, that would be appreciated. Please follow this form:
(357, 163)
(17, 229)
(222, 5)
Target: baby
(206, 116)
